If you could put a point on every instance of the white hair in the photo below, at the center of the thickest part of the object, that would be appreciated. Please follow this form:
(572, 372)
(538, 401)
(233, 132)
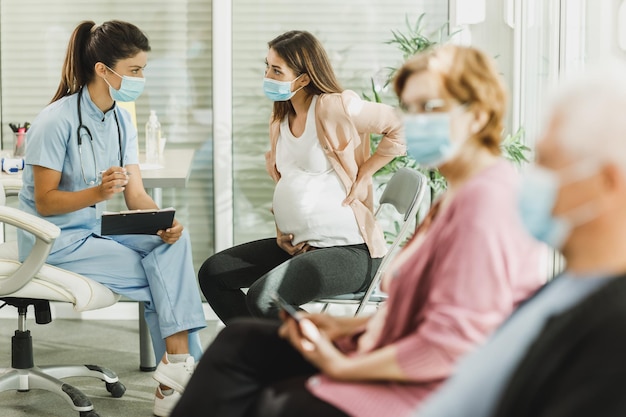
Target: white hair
(591, 109)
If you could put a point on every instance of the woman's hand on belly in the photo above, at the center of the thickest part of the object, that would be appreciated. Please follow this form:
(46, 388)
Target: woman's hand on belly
(283, 240)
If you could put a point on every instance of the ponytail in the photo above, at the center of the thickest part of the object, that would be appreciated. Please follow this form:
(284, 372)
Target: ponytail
(74, 74)
(89, 44)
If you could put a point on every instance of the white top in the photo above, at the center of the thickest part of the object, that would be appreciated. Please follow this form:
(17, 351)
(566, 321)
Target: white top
(308, 196)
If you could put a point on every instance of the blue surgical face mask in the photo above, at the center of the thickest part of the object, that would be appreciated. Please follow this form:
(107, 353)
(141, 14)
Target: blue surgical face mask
(428, 138)
(130, 89)
(537, 197)
(279, 90)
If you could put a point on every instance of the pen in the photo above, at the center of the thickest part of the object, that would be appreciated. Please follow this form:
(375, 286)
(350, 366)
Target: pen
(119, 172)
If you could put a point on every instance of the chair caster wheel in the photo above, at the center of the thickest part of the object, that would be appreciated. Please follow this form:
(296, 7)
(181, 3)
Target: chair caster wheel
(117, 389)
(90, 413)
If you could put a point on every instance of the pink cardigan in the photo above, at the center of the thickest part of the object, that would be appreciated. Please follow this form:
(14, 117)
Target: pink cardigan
(474, 265)
(344, 122)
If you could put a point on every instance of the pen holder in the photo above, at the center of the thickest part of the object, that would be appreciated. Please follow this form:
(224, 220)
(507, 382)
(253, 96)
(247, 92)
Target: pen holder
(20, 144)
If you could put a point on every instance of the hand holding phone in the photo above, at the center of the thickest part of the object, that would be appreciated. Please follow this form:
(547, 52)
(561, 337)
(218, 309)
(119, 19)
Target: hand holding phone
(286, 307)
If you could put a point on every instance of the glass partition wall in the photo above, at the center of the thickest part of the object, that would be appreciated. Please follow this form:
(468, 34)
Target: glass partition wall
(180, 77)
(561, 38)
(354, 33)
(208, 52)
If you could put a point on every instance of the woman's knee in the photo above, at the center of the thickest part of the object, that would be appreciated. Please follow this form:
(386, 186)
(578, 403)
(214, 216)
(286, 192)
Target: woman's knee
(259, 301)
(232, 340)
(232, 334)
(204, 273)
(228, 341)
(209, 274)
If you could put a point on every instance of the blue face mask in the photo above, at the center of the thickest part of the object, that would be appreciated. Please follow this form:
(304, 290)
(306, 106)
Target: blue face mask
(130, 89)
(279, 90)
(537, 197)
(428, 138)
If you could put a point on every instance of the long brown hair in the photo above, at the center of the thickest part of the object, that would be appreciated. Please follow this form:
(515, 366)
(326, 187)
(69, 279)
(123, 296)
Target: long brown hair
(89, 44)
(469, 76)
(304, 54)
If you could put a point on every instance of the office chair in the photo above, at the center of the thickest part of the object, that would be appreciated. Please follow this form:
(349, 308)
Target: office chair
(405, 192)
(35, 283)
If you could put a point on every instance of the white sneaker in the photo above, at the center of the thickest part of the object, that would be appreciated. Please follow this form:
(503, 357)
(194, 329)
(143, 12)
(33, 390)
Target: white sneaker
(164, 404)
(174, 375)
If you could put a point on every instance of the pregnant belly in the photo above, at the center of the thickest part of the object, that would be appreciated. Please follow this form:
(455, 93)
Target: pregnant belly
(309, 207)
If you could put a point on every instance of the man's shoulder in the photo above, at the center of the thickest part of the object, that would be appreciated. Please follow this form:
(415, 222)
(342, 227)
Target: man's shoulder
(578, 350)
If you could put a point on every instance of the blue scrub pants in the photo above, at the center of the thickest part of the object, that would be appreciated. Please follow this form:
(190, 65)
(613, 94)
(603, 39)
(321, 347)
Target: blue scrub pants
(144, 268)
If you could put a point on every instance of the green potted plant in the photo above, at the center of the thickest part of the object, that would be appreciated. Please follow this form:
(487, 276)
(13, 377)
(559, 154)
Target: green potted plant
(409, 43)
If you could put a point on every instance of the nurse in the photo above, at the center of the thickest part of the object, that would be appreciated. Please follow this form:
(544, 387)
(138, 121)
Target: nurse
(82, 151)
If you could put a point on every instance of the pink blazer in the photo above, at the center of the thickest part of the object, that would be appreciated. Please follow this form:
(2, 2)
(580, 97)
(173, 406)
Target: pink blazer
(344, 123)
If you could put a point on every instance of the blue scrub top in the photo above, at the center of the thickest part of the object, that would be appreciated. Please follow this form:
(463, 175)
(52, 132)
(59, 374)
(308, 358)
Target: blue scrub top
(52, 142)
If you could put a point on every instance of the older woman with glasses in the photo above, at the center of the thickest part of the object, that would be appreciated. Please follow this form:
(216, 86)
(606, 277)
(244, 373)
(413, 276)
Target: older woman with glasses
(468, 265)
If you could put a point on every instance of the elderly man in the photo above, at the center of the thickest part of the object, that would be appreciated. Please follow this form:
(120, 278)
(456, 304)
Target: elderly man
(563, 352)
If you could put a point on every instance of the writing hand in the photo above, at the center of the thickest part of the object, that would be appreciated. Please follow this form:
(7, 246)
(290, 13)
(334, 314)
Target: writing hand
(113, 181)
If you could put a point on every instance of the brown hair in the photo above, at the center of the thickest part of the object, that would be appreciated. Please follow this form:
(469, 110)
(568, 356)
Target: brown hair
(89, 44)
(304, 54)
(468, 76)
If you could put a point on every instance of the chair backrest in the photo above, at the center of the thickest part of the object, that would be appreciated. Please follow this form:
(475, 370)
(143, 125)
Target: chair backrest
(405, 190)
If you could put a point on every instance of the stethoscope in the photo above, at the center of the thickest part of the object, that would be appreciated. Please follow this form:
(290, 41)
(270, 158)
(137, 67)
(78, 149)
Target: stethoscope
(82, 129)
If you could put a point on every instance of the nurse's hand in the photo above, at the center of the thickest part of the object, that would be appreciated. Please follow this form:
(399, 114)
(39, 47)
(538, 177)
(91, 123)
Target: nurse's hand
(171, 234)
(113, 181)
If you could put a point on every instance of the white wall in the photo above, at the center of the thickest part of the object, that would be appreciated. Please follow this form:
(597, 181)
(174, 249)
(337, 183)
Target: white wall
(495, 37)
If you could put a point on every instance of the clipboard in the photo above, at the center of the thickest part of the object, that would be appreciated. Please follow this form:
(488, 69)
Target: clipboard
(136, 222)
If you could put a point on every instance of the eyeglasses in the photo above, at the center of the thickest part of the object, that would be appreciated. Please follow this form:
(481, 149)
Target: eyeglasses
(428, 106)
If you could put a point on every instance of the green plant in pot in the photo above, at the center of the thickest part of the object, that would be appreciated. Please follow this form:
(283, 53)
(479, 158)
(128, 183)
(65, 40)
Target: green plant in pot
(410, 42)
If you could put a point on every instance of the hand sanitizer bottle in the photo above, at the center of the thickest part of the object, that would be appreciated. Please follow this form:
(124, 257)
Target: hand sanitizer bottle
(153, 138)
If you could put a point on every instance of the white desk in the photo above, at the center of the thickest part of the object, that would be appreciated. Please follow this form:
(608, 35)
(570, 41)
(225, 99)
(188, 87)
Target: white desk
(174, 174)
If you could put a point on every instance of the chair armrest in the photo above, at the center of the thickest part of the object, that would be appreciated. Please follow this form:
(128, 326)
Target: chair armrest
(12, 185)
(41, 228)
(45, 234)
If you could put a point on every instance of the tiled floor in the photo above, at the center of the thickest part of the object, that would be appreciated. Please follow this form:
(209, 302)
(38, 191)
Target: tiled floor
(113, 344)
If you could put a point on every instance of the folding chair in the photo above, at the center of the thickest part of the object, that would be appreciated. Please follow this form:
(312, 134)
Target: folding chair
(404, 191)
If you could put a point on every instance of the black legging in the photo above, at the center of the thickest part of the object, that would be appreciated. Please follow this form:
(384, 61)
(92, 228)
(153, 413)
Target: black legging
(264, 268)
(249, 371)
